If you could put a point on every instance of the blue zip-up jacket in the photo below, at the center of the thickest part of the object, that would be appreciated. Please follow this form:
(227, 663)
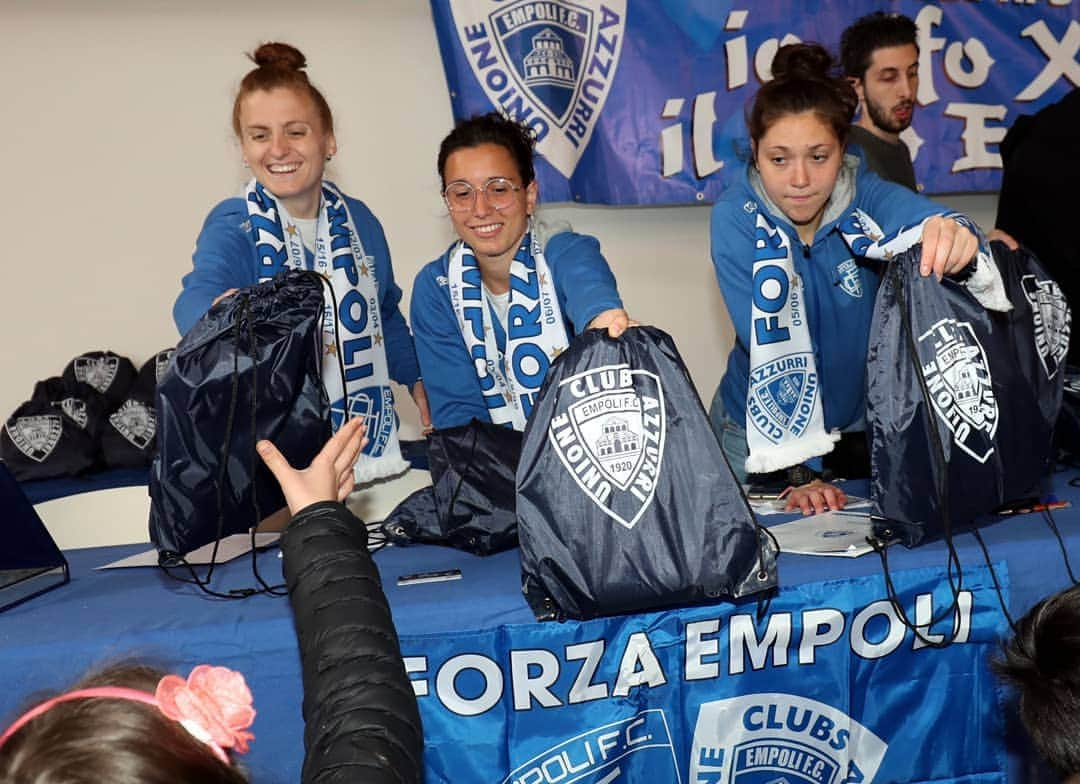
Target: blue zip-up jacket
(224, 259)
(839, 296)
(584, 286)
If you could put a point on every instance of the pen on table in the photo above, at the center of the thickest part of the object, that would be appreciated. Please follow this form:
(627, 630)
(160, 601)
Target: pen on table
(1048, 506)
(1026, 505)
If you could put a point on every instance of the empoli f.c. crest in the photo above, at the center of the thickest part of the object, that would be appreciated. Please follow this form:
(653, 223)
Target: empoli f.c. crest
(849, 280)
(136, 422)
(1052, 320)
(958, 379)
(76, 409)
(98, 372)
(161, 363)
(618, 752)
(781, 396)
(608, 431)
(376, 406)
(36, 436)
(773, 738)
(547, 63)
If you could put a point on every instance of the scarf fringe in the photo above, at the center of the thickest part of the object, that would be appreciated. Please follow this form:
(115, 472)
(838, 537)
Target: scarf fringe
(794, 453)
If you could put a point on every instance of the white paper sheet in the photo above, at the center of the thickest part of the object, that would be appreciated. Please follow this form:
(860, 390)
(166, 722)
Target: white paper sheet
(840, 534)
(230, 547)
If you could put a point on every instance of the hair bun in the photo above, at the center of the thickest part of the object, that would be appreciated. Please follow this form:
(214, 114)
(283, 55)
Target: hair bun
(279, 55)
(802, 61)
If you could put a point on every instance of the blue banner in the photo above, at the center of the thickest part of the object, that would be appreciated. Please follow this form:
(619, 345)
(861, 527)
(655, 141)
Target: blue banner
(828, 687)
(642, 101)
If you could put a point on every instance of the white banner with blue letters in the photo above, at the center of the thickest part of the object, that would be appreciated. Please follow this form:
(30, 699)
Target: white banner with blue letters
(829, 687)
(642, 101)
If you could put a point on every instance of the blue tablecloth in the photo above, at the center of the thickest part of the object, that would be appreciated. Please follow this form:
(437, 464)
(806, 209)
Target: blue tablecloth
(666, 672)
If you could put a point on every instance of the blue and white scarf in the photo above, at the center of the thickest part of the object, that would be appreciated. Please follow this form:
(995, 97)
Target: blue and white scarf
(535, 331)
(353, 333)
(866, 239)
(784, 420)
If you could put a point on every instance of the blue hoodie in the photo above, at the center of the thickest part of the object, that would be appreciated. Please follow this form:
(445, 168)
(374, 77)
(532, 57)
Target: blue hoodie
(838, 295)
(225, 258)
(584, 286)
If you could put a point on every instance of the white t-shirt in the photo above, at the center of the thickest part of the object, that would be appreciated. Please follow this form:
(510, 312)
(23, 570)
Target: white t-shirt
(307, 227)
(500, 303)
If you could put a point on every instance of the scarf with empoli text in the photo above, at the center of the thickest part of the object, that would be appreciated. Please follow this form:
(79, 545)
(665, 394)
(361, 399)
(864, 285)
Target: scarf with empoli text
(354, 369)
(784, 422)
(535, 332)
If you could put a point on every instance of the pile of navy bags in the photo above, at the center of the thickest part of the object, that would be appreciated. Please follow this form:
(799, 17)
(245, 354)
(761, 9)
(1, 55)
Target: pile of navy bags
(99, 413)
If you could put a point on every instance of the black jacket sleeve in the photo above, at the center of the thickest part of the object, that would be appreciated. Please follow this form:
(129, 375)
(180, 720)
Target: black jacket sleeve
(360, 713)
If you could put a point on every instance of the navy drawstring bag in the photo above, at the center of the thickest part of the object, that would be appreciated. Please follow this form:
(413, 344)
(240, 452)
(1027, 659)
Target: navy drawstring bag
(470, 503)
(961, 401)
(625, 501)
(248, 370)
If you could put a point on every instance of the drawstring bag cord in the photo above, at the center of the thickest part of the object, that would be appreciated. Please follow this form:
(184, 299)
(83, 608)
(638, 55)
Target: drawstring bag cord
(203, 582)
(243, 324)
(941, 492)
(461, 479)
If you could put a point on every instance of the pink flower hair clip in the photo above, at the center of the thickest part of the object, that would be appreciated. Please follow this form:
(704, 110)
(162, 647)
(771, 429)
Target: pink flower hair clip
(214, 704)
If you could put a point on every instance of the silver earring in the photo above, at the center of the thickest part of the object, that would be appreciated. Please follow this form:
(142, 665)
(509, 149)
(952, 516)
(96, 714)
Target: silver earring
(247, 165)
(329, 158)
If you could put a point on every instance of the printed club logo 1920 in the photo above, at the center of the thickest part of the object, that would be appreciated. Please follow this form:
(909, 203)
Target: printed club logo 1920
(608, 430)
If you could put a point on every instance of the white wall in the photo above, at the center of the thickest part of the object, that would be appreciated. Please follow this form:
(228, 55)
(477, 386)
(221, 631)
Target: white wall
(116, 123)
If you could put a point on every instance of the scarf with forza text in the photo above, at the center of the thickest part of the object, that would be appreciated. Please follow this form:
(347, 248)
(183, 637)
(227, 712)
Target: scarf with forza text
(535, 331)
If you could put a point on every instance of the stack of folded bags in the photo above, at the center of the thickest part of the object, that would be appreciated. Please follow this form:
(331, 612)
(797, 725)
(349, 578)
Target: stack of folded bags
(98, 414)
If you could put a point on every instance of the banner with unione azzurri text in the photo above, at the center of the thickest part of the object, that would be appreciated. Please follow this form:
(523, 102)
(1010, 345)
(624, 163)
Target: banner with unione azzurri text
(642, 101)
(828, 687)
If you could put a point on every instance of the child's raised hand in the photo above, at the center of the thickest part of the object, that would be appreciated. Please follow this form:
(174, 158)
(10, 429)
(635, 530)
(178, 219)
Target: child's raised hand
(330, 475)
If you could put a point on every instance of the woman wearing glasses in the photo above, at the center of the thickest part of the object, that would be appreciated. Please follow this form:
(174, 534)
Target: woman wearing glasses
(491, 314)
(289, 216)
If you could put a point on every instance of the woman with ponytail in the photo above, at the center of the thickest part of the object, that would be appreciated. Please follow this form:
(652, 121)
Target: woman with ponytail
(289, 216)
(797, 245)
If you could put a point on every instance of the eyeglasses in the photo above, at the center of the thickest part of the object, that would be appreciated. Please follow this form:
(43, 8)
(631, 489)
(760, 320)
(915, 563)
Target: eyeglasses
(460, 196)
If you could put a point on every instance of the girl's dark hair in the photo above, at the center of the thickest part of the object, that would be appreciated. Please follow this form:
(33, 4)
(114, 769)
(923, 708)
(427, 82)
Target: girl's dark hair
(492, 128)
(803, 81)
(119, 741)
(280, 65)
(1042, 660)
